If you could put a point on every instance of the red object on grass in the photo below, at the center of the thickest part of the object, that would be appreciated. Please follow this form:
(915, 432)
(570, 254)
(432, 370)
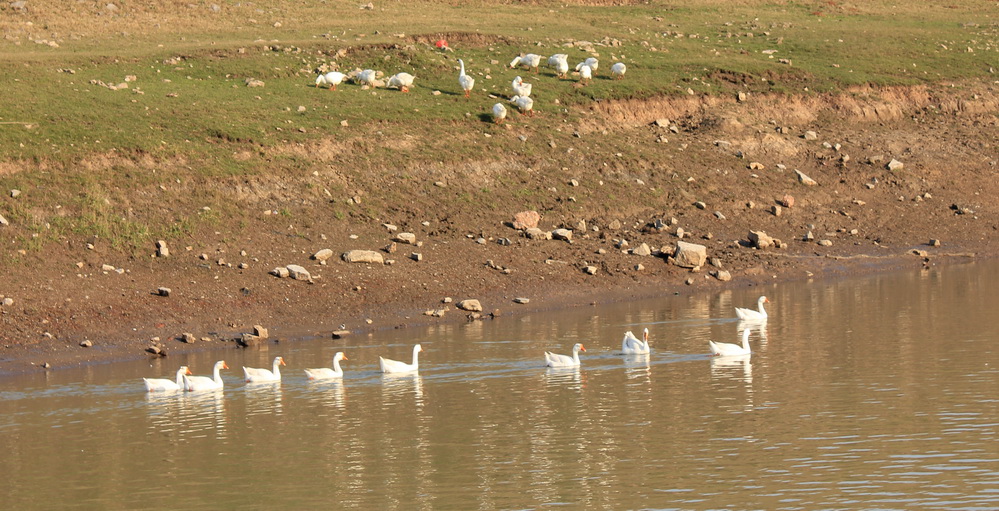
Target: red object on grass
(441, 44)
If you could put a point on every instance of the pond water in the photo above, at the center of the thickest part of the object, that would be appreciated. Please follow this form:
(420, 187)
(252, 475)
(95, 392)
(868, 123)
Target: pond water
(869, 393)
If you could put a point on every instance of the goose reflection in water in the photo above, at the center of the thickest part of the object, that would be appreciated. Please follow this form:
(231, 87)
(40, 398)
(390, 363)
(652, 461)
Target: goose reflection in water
(759, 328)
(404, 386)
(738, 368)
(263, 398)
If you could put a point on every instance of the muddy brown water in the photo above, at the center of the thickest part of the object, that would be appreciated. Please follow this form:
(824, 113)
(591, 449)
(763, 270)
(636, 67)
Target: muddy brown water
(878, 392)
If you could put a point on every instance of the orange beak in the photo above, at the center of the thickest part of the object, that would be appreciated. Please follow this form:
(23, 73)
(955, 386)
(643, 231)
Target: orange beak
(225, 366)
(582, 348)
(345, 357)
(189, 371)
(282, 362)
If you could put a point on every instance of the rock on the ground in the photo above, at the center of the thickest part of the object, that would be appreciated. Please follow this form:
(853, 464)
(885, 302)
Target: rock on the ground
(562, 234)
(163, 291)
(161, 249)
(405, 237)
(895, 165)
(590, 270)
(521, 300)
(298, 272)
(642, 250)
(280, 272)
(323, 255)
(363, 256)
(803, 179)
(86, 343)
(760, 239)
(723, 275)
(188, 338)
(689, 255)
(471, 305)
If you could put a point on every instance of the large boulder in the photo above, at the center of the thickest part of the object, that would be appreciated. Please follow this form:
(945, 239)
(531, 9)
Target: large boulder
(689, 255)
(526, 220)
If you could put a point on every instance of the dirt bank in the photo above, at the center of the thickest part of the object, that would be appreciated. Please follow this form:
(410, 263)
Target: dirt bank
(714, 167)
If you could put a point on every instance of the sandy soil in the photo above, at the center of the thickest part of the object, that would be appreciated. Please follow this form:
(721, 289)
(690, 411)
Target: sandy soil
(736, 157)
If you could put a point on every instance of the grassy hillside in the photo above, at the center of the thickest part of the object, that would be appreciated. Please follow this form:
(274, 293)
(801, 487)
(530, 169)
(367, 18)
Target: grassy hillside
(106, 161)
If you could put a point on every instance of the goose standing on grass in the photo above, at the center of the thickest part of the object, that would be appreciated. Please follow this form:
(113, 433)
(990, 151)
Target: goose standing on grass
(592, 62)
(401, 80)
(556, 360)
(560, 63)
(164, 385)
(520, 88)
(467, 82)
(254, 375)
(631, 345)
(193, 383)
(618, 70)
(585, 74)
(499, 113)
(367, 77)
(531, 61)
(753, 315)
(726, 349)
(394, 366)
(524, 104)
(324, 373)
(331, 79)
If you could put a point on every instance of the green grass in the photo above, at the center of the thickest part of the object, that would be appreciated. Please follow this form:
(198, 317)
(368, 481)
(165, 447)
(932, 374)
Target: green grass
(105, 155)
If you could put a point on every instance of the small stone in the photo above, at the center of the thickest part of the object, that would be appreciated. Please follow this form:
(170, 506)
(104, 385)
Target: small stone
(340, 334)
(825, 243)
(537, 234)
(86, 343)
(405, 237)
(322, 255)
(161, 249)
(280, 272)
(298, 272)
(639, 267)
(760, 239)
(741, 97)
(803, 179)
(689, 281)
(934, 243)
(590, 270)
(155, 350)
(719, 215)
(642, 250)
(14, 193)
(810, 135)
(107, 267)
(809, 236)
(163, 291)
(787, 201)
(470, 305)
(521, 300)
(777, 210)
(562, 234)
(363, 256)
(188, 338)
(7, 301)
(700, 205)
(416, 256)
(260, 331)
(249, 340)
(756, 166)
(4, 221)
(723, 275)
(895, 165)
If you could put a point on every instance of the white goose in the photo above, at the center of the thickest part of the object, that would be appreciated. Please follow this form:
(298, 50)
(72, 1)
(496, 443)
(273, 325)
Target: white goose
(556, 360)
(164, 385)
(585, 74)
(254, 375)
(592, 62)
(524, 104)
(331, 79)
(193, 383)
(520, 88)
(401, 80)
(324, 373)
(753, 315)
(499, 113)
(726, 349)
(394, 366)
(631, 345)
(467, 82)
(367, 77)
(560, 63)
(618, 70)
(531, 61)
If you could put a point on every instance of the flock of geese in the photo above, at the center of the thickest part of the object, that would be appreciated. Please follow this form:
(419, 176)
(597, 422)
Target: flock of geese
(630, 345)
(521, 97)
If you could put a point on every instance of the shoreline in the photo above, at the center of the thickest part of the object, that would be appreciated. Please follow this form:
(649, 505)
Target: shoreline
(27, 359)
